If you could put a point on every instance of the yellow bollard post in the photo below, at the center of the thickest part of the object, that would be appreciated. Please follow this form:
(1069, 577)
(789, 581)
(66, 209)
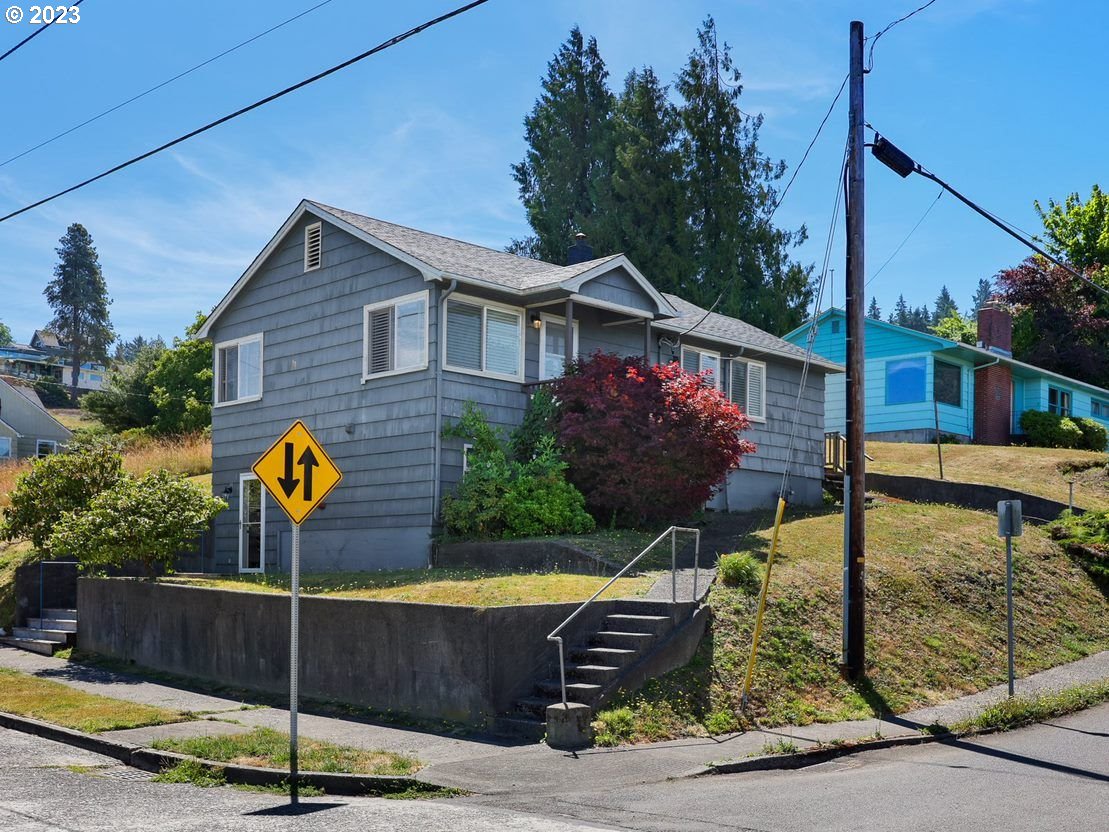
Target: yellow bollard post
(762, 602)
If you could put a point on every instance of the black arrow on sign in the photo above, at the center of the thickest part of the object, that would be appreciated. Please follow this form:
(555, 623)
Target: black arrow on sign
(288, 483)
(309, 461)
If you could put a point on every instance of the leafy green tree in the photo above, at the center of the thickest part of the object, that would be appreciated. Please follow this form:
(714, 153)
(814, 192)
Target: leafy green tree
(874, 311)
(55, 486)
(957, 328)
(126, 398)
(945, 305)
(983, 293)
(181, 384)
(79, 298)
(1078, 231)
(5, 335)
(731, 197)
(149, 519)
(569, 138)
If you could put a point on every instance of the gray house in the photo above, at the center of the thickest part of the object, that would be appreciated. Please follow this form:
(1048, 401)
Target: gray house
(374, 334)
(26, 428)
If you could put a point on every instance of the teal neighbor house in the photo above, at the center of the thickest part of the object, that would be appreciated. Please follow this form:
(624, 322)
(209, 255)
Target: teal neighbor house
(916, 379)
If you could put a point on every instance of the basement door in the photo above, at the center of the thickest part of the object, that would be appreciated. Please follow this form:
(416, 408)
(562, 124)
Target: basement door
(252, 524)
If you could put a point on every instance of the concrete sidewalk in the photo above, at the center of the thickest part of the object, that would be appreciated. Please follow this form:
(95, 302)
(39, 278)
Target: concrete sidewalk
(493, 766)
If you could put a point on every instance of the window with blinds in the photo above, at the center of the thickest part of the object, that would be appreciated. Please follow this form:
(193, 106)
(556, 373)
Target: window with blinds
(747, 387)
(395, 336)
(486, 339)
(699, 361)
(313, 246)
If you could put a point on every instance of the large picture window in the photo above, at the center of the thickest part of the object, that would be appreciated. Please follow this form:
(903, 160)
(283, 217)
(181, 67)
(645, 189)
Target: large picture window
(485, 338)
(905, 380)
(947, 384)
(395, 336)
(239, 370)
(747, 387)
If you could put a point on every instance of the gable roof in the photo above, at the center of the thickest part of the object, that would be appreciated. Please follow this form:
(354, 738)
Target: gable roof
(835, 312)
(438, 257)
(26, 417)
(716, 327)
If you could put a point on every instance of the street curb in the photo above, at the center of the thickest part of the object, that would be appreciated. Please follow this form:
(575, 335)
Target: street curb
(149, 759)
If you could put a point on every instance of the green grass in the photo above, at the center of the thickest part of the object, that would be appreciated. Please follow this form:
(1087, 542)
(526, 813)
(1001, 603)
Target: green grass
(193, 772)
(60, 704)
(1025, 710)
(935, 618)
(268, 748)
(466, 587)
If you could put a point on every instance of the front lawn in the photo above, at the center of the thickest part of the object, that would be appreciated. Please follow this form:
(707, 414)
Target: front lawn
(1040, 471)
(462, 587)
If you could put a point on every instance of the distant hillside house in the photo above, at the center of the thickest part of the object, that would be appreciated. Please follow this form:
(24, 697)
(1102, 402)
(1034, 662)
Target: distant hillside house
(26, 429)
(376, 334)
(44, 359)
(978, 392)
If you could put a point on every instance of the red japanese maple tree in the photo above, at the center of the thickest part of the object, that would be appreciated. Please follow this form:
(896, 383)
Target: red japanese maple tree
(644, 443)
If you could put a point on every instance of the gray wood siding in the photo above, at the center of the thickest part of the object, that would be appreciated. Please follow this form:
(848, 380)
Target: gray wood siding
(380, 433)
(617, 286)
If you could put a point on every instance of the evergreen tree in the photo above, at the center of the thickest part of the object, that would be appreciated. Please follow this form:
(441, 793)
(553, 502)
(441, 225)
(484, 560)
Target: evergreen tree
(127, 350)
(982, 294)
(644, 202)
(945, 305)
(5, 335)
(79, 298)
(731, 194)
(920, 319)
(900, 314)
(569, 153)
(873, 311)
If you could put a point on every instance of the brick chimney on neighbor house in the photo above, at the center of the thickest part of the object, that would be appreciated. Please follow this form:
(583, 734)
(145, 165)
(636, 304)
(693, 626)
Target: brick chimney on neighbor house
(993, 383)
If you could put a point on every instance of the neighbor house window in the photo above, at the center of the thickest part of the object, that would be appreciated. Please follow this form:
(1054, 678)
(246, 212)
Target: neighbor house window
(1099, 409)
(1058, 401)
(394, 336)
(239, 370)
(313, 246)
(699, 361)
(5, 447)
(485, 338)
(947, 384)
(466, 448)
(552, 345)
(45, 447)
(747, 387)
(905, 380)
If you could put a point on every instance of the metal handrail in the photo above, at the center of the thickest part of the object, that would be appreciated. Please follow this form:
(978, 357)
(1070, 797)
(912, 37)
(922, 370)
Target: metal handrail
(672, 532)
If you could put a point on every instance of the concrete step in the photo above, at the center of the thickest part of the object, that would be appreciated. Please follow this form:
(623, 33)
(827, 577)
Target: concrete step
(627, 623)
(58, 636)
(535, 707)
(520, 725)
(597, 674)
(583, 692)
(608, 656)
(35, 645)
(52, 624)
(626, 641)
(65, 615)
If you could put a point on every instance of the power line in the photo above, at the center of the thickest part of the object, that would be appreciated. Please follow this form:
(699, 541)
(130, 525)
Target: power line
(34, 34)
(901, 245)
(393, 41)
(168, 81)
(874, 40)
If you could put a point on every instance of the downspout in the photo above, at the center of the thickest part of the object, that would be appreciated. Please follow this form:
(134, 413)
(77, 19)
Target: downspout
(440, 347)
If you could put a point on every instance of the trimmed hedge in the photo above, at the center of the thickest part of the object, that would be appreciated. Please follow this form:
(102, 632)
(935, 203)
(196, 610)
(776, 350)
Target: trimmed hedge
(1050, 430)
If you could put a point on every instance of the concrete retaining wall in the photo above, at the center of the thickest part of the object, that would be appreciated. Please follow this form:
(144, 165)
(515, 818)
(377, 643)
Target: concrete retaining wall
(968, 495)
(428, 660)
(525, 555)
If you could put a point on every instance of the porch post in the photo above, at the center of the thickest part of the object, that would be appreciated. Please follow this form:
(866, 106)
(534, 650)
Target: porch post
(569, 331)
(647, 340)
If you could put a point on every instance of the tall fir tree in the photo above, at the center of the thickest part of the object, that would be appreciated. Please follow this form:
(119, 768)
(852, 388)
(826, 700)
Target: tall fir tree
(982, 294)
(570, 153)
(79, 298)
(901, 315)
(730, 187)
(945, 305)
(874, 311)
(920, 319)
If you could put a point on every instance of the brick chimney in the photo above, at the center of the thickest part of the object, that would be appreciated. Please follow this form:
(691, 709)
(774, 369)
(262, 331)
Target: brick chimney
(993, 382)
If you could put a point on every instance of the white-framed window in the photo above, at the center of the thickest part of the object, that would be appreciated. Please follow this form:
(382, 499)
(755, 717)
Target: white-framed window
(1059, 401)
(747, 387)
(313, 246)
(698, 361)
(45, 447)
(238, 370)
(466, 448)
(5, 447)
(552, 345)
(394, 336)
(1099, 409)
(484, 338)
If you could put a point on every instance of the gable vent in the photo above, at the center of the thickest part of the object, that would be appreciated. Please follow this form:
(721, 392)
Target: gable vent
(313, 246)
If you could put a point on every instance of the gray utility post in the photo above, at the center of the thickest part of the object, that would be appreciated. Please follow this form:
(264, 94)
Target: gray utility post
(294, 664)
(854, 479)
(1010, 524)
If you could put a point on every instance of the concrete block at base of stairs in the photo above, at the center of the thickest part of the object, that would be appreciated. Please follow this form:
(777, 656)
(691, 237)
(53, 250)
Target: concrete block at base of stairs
(569, 726)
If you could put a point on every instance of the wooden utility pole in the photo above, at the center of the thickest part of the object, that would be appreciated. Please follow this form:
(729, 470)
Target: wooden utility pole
(854, 488)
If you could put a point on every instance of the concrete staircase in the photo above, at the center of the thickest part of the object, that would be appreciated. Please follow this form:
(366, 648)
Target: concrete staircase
(601, 663)
(56, 629)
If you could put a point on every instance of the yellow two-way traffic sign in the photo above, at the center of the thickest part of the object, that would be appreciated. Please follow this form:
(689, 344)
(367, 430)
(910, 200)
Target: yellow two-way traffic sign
(297, 472)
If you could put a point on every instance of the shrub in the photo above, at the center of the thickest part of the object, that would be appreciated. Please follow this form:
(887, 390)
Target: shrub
(56, 485)
(1049, 430)
(539, 419)
(148, 519)
(502, 498)
(53, 393)
(645, 444)
(1094, 435)
(742, 570)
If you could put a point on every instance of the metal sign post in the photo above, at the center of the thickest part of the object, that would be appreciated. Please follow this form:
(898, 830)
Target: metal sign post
(1010, 524)
(297, 452)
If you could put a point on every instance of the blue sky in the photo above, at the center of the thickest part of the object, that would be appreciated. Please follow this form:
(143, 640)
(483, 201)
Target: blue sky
(1003, 98)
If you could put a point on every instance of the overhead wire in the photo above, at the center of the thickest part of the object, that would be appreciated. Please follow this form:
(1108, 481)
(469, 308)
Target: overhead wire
(901, 245)
(35, 33)
(393, 41)
(164, 83)
(874, 40)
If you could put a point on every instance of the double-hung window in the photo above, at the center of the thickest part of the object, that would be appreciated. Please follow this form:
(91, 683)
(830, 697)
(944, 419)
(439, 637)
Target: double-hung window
(552, 346)
(700, 361)
(747, 387)
(1058, 401)
(485, 338)
(239, 370)
(394, 336)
